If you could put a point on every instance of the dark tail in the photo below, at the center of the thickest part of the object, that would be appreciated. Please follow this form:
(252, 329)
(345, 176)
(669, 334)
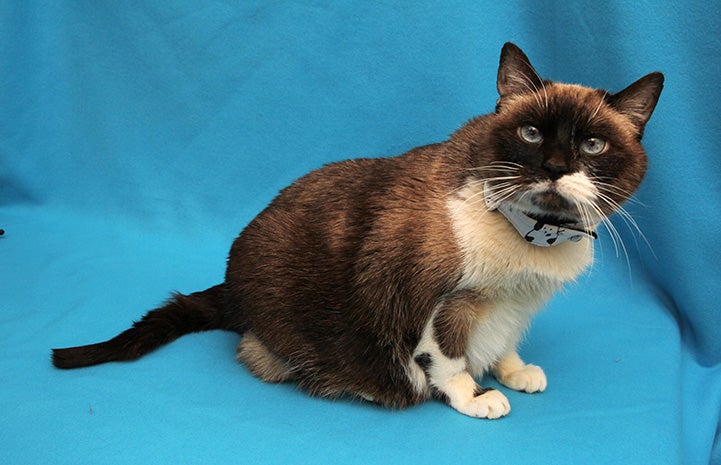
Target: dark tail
(182, 314)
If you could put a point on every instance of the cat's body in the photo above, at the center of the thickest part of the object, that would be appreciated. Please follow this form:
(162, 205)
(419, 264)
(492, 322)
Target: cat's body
(393, 279)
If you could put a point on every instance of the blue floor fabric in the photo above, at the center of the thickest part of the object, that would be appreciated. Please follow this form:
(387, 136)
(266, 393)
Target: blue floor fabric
(136, 140)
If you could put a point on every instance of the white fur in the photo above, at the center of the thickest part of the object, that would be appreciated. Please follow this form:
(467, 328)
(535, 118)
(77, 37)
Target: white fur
(498, 260)
(417, 376)
(512, 372)
(452, 378)
(576, 187)
(495, 335)
(517, 278)
(530, 378)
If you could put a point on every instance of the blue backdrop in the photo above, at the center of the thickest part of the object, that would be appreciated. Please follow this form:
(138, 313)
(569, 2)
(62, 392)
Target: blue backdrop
(137, 139)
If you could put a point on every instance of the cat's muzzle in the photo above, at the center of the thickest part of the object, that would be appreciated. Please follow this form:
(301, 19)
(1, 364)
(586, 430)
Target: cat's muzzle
(536, 231)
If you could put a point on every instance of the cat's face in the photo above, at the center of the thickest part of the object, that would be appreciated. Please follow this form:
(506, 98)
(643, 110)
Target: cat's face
(565, 153)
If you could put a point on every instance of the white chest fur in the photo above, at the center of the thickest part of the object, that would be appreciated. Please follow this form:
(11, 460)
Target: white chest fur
(516, 277)
(497, 257)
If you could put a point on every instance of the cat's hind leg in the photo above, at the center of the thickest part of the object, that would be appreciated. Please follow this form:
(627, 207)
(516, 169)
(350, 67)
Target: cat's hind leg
(261, 361)
(514, 373)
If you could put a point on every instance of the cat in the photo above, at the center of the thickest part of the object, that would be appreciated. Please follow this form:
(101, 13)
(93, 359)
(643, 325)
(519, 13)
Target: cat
(400, 279)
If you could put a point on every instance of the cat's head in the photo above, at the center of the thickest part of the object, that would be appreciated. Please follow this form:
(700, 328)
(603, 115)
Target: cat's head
(563, 153)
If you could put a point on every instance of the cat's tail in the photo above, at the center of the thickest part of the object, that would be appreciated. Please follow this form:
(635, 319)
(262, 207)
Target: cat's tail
(182, 314)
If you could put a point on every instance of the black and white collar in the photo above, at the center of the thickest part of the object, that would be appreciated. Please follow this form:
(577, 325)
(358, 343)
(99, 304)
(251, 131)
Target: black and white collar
(537, 232)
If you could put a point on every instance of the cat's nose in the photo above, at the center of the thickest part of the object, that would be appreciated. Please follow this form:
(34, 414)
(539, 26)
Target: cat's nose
(555, 169)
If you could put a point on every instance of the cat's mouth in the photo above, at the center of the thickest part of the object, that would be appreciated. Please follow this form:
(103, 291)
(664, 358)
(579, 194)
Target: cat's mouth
(552, 209)
(530, 216)
(547, 207)
(552, 219)
(543, 229)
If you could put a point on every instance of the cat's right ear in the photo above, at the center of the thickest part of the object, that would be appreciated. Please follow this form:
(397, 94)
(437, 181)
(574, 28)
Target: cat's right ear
(515, 73)
(638, 100)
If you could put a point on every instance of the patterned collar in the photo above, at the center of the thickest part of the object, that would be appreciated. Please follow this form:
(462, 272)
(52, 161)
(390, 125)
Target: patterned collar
(537, 232)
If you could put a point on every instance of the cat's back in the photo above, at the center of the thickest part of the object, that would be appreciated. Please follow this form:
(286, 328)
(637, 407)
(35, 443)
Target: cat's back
(374, 219)
(362, 179)
(348, 198)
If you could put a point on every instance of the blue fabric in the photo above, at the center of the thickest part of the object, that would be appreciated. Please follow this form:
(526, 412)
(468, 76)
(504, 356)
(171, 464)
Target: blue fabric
(138, 138)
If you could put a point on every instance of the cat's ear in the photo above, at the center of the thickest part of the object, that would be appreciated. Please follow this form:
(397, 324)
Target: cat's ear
(515, 73)
(638, 100)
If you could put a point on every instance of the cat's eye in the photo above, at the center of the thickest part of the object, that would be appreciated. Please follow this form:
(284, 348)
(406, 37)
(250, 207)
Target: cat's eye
(530, 134)
(593, 146)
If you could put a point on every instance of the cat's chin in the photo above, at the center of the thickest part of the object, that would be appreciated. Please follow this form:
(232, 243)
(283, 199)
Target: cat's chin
(552, 219)
(552, 208)
(556, 215)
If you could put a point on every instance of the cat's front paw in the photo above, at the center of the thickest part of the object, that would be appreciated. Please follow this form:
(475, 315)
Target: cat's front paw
(491, 404)
(530, 378)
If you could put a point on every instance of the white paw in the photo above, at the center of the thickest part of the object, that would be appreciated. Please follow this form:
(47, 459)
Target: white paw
(491, 404)
(530, 378)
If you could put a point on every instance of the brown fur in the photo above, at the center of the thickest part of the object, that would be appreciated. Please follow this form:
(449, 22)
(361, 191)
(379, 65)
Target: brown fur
(377, 254)
(454, 320)
(335, 282)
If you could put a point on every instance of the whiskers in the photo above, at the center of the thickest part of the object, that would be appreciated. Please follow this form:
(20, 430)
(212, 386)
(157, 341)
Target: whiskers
(505, 167)
(593, 201)
(592, 213)
(497, 179)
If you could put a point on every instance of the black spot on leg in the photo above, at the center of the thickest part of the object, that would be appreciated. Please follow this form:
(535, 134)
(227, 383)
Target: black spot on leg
(424, 361)
(479, 391)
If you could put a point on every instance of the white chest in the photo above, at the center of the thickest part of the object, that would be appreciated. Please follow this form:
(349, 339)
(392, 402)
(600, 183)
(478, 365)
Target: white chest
(497, 258)
(518, 278)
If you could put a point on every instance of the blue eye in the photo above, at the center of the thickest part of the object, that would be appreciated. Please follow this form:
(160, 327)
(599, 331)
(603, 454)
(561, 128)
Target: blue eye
(530, 134)
(593, 146)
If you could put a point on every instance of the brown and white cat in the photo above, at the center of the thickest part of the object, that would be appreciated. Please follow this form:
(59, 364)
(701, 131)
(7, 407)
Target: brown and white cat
(398, 279)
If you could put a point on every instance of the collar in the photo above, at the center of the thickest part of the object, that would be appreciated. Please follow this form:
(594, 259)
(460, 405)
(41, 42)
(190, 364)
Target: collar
(534, 231)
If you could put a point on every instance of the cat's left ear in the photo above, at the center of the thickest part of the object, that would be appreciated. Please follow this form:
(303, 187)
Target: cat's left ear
(638, 100)
(515, 73)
